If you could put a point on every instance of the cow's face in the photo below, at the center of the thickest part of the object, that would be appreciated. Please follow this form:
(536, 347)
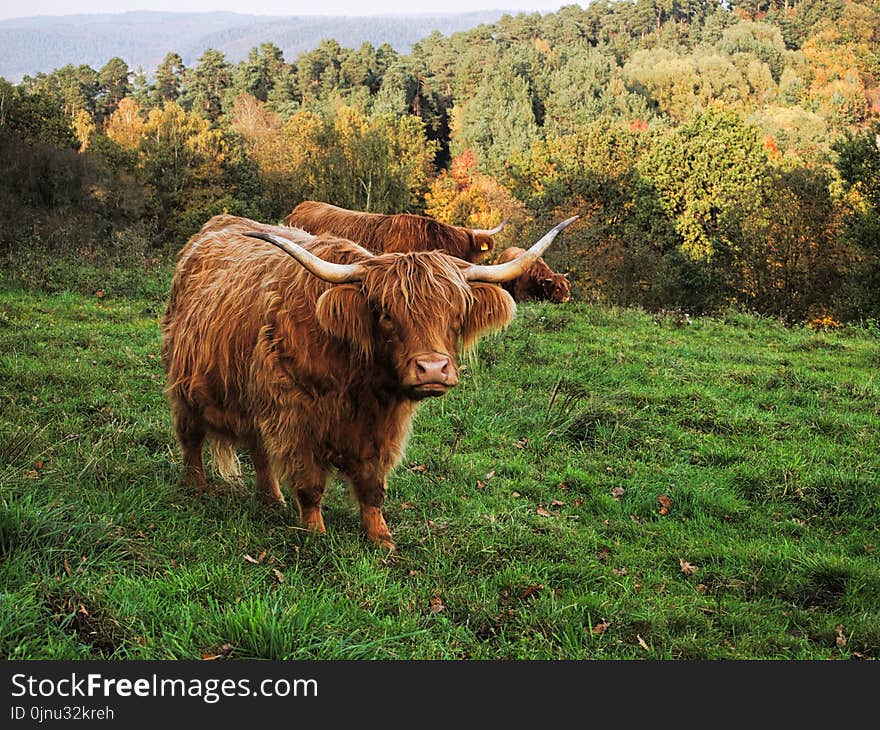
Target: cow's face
(413, 313)
(556, 288)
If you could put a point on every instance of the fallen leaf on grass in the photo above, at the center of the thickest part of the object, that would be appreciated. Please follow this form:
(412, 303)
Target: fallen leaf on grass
(686, 567)
(521, 443)
(418, 468)
(66, 566)
(221, 653)
(531, 590)
(99, 293)
(665, 504)
(557, 503)
(601, 627)
(840, 639)
(642, 643)
(517, 494)
(253, 560)
(437, 604)
(481, 485)
(619, 571)
(578, 502)
(701, 588)
(489, 475)
(617, 492)
(541, 511)
(407, 505)
(279, 576)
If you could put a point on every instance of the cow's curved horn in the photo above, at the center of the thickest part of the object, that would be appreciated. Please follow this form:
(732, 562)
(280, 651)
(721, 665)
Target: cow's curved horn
(491, 231)
(325, 270)
(498, 273)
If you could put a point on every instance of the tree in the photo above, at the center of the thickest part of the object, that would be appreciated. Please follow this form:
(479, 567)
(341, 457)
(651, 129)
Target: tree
(74, 87)
(378, 163)
(114, 83)
(790, 258)
(466, 197)
(169, 79)
(34, 117)
(206, 85)
(263, 68)
(858, 162)
(703, 172)
(497, 121)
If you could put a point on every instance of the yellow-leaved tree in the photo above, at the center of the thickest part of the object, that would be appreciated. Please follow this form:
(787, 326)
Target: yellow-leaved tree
(463, 196)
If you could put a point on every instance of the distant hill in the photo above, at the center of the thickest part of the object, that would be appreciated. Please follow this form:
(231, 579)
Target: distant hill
(31, 45)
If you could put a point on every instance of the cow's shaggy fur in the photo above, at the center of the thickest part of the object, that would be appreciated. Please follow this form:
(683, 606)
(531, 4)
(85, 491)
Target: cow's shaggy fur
(391, 233)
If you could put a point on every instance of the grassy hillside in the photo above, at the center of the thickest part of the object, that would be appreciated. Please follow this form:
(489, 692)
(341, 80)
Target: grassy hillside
(604, 484)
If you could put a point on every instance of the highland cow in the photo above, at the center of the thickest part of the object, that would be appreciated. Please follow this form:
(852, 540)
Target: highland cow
(539, 282)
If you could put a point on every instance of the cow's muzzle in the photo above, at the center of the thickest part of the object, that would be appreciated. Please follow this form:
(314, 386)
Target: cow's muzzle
(430, 375)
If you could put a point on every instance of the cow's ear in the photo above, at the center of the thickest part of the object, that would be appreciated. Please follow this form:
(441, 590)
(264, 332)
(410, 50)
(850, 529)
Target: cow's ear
(342, 312)
(480, 243)
(492, 309)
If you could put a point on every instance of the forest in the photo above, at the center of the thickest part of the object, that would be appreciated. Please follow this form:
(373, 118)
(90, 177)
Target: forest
(719, 155)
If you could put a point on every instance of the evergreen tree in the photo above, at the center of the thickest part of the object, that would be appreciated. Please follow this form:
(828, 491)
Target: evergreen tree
(168, 84)
(114, 83)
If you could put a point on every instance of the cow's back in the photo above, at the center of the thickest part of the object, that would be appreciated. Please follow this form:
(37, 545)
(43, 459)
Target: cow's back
(232, 299)
(387, 233)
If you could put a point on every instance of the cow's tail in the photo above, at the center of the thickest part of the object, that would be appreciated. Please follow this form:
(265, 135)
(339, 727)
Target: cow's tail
(225, 460)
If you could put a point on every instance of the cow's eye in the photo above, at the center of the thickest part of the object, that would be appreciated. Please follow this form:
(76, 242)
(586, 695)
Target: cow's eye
(385, 321)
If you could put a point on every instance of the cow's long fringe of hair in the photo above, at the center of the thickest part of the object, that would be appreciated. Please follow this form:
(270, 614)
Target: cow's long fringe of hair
(428, 285)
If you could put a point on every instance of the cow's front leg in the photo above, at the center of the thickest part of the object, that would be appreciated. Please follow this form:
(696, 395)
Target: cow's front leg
(370, 491)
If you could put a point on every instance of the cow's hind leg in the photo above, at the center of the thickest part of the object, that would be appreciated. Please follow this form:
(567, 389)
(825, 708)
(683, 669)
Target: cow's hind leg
(267, 483)
(310, 481)
(191, 433)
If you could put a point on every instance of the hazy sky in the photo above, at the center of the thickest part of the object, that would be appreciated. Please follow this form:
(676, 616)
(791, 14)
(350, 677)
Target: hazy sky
(9, 9)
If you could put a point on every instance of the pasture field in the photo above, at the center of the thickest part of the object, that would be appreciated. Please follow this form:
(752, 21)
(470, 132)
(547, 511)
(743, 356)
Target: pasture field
(604, 484)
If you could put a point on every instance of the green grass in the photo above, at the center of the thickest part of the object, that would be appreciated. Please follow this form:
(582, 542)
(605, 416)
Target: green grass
(764, 438)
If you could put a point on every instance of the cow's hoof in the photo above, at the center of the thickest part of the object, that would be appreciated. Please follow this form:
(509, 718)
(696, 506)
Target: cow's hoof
(273, 501)
(383, 541)
(313, 521)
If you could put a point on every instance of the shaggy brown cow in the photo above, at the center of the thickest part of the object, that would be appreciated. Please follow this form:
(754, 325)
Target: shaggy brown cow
(539, 282)
(313, 353)
(393, 233)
